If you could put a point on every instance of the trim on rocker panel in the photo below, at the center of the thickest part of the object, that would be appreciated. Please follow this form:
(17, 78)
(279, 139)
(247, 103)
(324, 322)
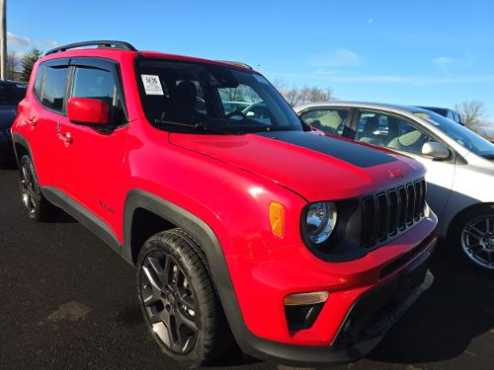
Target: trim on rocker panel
(84, 216)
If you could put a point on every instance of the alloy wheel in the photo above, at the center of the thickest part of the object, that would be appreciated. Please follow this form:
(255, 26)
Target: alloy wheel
(29, 194)
(169, 302)
(477, 240)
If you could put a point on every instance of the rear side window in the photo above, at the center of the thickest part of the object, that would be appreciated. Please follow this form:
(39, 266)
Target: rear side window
(38, 84)
(100, 84)
(50, 86)
(330, 120)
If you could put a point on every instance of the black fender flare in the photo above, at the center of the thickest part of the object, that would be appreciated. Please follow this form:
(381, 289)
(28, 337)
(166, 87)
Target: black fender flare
(202, 233)
(19, 139)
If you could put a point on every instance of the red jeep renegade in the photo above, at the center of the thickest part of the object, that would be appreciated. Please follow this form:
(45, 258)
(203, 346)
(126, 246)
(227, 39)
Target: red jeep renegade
(242, 226)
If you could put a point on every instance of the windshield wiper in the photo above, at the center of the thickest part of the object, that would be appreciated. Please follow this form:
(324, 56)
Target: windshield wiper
(194, 126)
(226, 126)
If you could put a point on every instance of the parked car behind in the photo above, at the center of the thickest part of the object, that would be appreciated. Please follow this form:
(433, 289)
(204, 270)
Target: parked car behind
(459, 163)
(446, 112)
(236, 222)
(11, 93)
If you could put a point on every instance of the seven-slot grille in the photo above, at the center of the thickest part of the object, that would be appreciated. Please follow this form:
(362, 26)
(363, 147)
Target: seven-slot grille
(389, 213)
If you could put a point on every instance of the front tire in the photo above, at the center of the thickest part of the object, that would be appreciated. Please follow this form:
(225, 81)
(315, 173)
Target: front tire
(178, 300)
(38, 208)
(473, 234)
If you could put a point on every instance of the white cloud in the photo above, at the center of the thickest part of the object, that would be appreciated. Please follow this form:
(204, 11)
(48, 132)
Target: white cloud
(417, 80)
(18, 41)
(443, 61)
(23, 44)
(332, 77)
(338, 58)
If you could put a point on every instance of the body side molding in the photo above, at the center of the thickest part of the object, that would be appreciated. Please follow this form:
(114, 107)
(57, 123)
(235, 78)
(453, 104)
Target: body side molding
(84, 216)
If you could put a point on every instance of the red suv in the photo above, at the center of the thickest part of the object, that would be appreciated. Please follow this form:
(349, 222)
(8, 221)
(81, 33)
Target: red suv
(242, 226)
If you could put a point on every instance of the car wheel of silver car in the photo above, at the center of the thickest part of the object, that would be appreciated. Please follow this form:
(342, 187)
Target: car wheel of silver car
(477, 237)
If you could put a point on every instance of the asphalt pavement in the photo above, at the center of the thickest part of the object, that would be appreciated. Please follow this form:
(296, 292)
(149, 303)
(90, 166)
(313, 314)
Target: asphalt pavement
(68, 302)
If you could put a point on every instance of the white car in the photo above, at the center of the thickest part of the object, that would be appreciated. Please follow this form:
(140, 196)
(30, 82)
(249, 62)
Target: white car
(459, 163)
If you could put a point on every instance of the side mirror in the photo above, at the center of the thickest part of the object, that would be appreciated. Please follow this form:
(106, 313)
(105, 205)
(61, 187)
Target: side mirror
(89, 111)
(436, 150)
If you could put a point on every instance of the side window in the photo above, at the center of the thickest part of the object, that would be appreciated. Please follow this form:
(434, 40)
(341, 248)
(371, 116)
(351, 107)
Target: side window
(99, 84)
(390, 131)
(52, 85)
(333, 121)
(40, 79)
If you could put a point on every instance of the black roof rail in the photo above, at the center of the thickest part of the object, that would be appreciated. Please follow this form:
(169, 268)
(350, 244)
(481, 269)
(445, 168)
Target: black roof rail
(240, 64)
(123, 45)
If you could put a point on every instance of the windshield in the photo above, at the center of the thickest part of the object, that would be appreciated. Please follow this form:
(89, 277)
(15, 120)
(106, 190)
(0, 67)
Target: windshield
(462, 135)
(200, 97)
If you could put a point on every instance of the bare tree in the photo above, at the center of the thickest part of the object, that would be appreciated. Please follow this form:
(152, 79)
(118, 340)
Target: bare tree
(13, 66)
(305, 95)
(472, 112)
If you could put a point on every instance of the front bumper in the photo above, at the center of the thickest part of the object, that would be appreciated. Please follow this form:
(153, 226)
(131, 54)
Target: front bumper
(369, 318)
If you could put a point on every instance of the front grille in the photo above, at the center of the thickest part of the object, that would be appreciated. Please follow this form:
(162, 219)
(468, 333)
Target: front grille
(391, 212)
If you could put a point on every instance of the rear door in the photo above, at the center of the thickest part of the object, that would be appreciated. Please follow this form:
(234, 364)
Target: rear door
(42, 117)
(95, 155)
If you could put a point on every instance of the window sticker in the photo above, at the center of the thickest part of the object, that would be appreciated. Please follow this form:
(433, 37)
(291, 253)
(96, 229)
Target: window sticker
(152, 85)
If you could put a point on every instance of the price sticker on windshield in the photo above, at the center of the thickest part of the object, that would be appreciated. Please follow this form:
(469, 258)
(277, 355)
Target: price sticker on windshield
(152, 85)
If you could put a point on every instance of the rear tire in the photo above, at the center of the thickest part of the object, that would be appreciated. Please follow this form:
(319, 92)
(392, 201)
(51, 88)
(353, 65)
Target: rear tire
(38, 208)
(178, 300)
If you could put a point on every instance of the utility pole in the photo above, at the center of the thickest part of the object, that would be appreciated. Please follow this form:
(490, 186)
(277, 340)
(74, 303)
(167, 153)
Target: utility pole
(3, 39)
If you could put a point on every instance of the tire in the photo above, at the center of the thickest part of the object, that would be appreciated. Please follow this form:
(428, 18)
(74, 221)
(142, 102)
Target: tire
(38, 208)
(473, 237)
(178, 301)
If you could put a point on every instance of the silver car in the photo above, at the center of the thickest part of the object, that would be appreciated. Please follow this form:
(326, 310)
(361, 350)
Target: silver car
(460, 164)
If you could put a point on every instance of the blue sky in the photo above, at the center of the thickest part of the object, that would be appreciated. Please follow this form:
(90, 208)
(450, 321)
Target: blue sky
(420, 52)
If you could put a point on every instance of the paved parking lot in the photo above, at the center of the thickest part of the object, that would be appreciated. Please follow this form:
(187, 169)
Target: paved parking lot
(68, 302)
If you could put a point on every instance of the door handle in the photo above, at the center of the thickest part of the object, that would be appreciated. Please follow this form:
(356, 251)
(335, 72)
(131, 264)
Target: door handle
(66, 138)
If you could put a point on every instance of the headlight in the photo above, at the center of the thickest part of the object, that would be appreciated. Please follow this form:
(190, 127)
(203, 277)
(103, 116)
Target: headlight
(319, 222)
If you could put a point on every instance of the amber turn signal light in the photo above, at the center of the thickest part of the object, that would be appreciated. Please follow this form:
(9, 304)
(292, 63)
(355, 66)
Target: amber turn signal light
(277, 219)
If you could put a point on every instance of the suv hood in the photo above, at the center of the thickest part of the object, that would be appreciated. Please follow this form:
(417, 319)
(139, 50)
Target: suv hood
(316, 167)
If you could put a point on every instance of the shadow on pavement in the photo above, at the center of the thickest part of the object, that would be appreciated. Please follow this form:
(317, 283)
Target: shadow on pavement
(440, 326)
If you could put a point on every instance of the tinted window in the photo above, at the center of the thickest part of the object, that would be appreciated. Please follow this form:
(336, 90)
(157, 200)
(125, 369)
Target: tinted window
(331, 121)
(99, 84)
(53, 83)
(38, 83)
(390, 131)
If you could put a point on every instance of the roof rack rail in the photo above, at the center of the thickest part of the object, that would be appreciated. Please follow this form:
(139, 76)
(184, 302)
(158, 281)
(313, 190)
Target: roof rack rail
(123, 45)
(240, 64)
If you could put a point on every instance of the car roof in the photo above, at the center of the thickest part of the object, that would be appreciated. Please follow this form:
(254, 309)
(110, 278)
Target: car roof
(365, 105)
(119, 49)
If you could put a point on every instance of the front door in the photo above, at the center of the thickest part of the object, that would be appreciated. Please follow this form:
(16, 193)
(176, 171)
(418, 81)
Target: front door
(96, 154)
